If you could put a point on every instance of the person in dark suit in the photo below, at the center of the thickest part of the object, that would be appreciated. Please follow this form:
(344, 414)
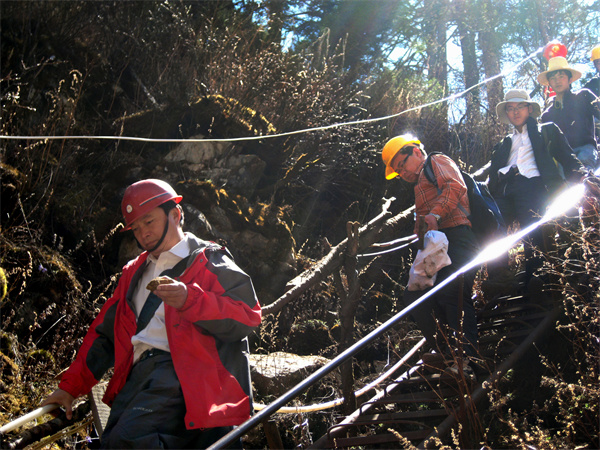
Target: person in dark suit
(527, 168)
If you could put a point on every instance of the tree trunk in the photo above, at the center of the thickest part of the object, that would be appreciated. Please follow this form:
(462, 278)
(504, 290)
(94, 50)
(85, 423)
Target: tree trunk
(436, 119)
(490, 46)
(275, 10)
(349, 293)
(469, 57)
(542, 24)
(490, 56)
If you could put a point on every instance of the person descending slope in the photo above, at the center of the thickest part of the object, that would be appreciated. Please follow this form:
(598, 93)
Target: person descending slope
(178, 345)
(443, 206)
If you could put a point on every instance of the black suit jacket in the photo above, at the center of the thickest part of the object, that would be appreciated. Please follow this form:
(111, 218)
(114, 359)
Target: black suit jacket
(550, 148)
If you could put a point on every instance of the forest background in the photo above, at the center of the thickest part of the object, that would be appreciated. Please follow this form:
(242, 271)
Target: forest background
(226, 70)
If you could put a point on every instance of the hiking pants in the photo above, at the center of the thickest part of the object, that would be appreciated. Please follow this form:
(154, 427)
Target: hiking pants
(524, 200)
(149, 412)
(443, 308)
(588, 155)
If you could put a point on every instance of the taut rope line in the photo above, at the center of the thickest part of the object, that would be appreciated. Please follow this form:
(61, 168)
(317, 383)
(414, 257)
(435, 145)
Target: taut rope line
(288, 133)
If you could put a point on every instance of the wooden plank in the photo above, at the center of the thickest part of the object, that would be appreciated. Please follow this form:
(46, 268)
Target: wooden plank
(379, 438)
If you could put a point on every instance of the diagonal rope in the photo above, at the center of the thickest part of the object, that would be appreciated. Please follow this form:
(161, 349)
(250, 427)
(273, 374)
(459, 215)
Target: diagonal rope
(450, 98)
(559, 206)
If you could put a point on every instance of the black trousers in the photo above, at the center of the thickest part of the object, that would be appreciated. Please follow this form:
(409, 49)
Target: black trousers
(523, 200)
(149, 412)
(444, 309)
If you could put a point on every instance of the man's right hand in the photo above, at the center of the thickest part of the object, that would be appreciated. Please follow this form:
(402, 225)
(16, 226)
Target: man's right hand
(64, 399)
(431, 221)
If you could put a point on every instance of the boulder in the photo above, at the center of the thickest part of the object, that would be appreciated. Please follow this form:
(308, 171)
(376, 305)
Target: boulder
(220, 162)
(276, 373)
(201, 153)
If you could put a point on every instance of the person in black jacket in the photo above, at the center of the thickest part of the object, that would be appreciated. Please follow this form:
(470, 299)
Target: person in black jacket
(594, 84)
(573, 112)
(527, 169)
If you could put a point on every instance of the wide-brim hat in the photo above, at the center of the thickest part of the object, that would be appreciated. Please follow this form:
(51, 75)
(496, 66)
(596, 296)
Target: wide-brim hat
(558, 63)
(518, 96)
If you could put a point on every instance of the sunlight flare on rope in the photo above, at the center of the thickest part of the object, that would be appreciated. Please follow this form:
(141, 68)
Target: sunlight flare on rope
(561, 204)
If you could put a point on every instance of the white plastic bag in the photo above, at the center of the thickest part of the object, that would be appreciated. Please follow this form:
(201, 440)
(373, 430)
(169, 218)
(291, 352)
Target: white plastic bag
(429, 261)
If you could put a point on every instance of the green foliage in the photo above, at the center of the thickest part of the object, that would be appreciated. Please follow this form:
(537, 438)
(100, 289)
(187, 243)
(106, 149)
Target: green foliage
(367, 32)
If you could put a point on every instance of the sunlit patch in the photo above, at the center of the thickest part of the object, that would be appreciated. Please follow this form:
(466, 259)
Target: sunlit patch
(561, 204)
(496, 249)
(564, 202)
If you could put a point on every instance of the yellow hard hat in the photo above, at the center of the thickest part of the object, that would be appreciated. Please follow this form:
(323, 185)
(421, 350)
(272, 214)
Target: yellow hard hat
(595, 54)
(392, 147)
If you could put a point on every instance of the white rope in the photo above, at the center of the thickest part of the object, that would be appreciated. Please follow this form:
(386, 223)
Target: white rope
(395, 241)
(389, 250)
(339, 401)
(289, 133)
(28, 417)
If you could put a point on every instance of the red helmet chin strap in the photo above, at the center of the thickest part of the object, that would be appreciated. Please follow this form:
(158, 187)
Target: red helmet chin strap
(162, 238)
(160, 241)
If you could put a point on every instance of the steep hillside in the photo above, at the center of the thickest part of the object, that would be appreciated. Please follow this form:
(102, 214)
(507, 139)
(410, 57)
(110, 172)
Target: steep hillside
(192, 80)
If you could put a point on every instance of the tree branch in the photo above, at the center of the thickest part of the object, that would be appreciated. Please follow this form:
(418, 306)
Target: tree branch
(334, 259)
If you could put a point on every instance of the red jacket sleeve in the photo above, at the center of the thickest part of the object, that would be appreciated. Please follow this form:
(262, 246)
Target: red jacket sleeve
(97, 352)
(222, 301)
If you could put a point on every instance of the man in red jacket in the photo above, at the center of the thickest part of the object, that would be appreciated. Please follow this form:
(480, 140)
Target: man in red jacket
(181, 375)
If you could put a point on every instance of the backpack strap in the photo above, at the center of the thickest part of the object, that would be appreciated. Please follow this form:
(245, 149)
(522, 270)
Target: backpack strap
(430, 175)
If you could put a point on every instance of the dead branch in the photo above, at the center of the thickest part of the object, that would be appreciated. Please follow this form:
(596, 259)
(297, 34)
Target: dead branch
(350, 298)
(335, 258)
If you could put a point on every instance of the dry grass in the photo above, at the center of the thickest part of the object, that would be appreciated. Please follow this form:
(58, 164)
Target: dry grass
(564, 414)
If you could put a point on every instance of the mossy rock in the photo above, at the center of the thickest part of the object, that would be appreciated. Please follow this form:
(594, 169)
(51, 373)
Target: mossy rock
(40, 357)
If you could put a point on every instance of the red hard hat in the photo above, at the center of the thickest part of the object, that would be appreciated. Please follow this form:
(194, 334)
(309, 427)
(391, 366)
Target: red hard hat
(554, 49)
(142, 197)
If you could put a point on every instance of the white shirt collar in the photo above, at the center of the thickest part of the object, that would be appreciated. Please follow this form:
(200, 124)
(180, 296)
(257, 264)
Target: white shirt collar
(181, 249)
(516, 132)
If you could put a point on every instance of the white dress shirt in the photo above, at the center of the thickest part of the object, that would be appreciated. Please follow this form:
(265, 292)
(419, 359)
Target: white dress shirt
(155, 333)
(521, 155)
